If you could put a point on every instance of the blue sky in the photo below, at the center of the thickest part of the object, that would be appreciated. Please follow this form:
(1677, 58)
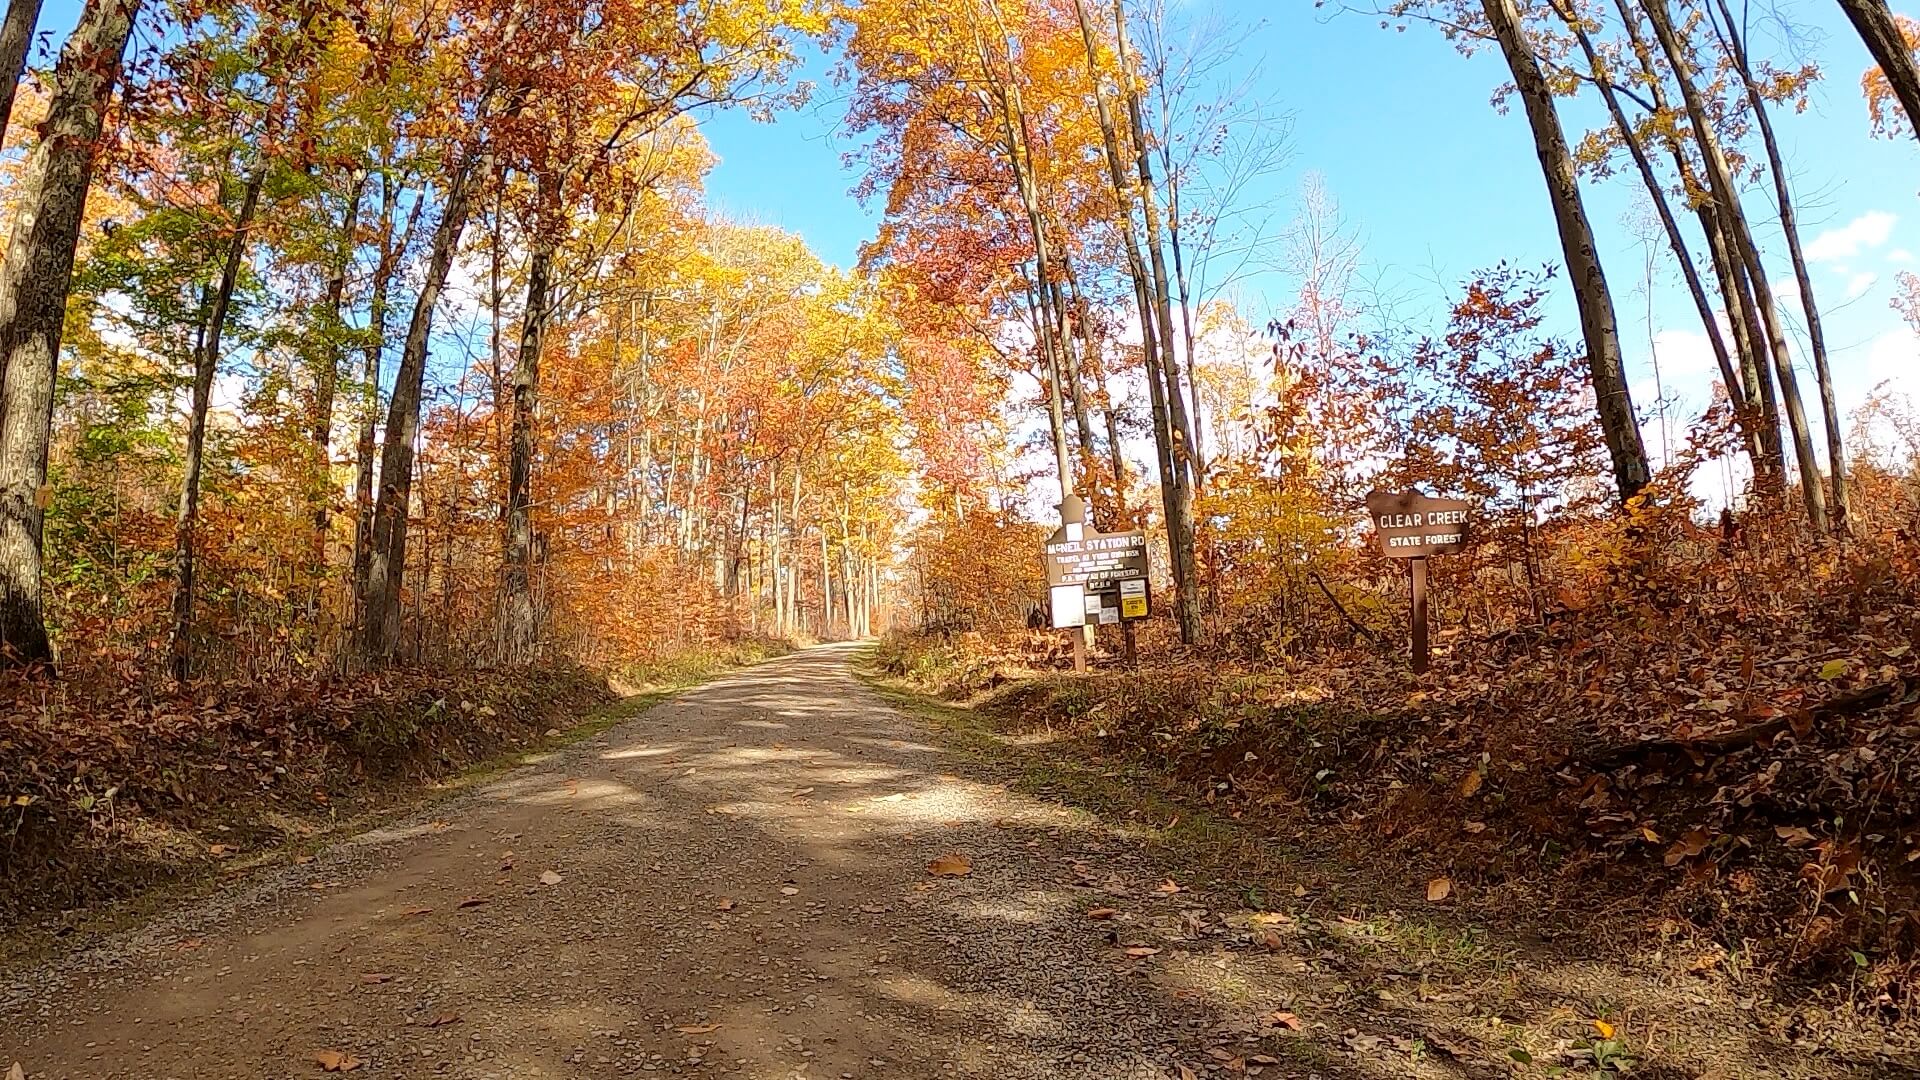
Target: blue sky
(1438, 183)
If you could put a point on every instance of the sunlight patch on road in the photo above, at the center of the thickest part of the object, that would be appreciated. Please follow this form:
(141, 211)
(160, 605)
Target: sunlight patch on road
(640, 752)
(1031, 908)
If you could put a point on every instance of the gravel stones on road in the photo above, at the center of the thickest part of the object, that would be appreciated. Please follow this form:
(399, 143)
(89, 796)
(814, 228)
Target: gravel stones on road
(733, 884)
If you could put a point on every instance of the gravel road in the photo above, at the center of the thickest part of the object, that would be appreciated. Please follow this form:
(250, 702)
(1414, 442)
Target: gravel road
(735, 883)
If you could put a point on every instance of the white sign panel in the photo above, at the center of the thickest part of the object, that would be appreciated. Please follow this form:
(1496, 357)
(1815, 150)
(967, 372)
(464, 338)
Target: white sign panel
(1069, 606)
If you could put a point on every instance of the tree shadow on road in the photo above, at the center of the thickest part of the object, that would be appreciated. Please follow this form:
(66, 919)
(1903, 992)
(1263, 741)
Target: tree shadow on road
(738, 884)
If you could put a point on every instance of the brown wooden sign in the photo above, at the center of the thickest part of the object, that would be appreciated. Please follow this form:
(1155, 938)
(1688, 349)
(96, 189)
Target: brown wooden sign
(1412, 526)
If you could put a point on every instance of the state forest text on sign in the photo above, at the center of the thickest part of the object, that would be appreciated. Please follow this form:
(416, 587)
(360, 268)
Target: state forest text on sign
(1413, 526)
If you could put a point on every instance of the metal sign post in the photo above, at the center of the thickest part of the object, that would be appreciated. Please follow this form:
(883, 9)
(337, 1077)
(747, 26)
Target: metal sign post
(1413, 526)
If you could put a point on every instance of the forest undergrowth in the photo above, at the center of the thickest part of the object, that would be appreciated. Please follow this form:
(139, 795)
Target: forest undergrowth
(1713, 779)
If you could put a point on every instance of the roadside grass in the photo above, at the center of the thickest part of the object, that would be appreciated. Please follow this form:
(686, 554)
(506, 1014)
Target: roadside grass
(1335, 909)
(1215, 850)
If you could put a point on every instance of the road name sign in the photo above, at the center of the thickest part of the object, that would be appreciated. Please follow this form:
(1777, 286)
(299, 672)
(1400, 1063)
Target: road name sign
(1098, 561)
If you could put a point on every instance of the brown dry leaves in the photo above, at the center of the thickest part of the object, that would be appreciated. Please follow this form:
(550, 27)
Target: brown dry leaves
(1690, 845)
(953, 865)
(336, 1061)
(1439, 889)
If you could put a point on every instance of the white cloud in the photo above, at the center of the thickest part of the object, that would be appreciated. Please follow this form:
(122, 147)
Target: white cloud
(1869, 230)
(1858, 284)
(1786, 290)
(1899, 255)
(1684, 356)
(1894, 355)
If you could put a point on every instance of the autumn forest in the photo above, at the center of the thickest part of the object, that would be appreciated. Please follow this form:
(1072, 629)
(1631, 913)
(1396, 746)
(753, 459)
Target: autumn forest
(382, 396)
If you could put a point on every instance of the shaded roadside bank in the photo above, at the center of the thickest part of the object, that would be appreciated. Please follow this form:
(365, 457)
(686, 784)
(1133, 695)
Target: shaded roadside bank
(117, 805)
(1412, 827)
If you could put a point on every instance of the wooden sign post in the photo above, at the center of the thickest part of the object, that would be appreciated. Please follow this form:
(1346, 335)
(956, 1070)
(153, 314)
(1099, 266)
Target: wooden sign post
(1094, 578)
(1412, 526)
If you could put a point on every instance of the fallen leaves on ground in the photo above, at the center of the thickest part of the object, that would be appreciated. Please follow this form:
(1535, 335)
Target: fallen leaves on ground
(1282, 1018)
(549, 877)
(1103, 913)
(1142, 950)
(335, 1061)
(18, 1072)
(417, 911)
(725, 903)
(1605, 1029)
(696, 1029)
(472, 902)
(376, 977)
(1690, 845)
(950, 866)
(1168, 888)
(441, 1020)
(1439, 889)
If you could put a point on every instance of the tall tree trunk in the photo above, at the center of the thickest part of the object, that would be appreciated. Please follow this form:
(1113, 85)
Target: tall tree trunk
(326, 384)
(1183, 293)
(1726, 198)
(1597, 321)
(206, 361)
(390, 248)
(1676, 241)
(518, 618)
(1185, 446)
(1013, 126)
(387, 561)
(1751, 392)
(1874, 21)
(1075, 391)
(1050, 375)
(1790, 227)
(1187, 467)
(16, 38)
(1750, 342)
(34, 278)
(1173, 491)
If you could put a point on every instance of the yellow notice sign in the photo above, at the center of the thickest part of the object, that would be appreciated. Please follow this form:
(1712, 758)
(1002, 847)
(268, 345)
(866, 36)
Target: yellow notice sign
(1133, 607)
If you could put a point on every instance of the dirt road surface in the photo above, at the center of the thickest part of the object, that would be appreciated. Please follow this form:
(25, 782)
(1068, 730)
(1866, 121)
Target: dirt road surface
(734, 884)
(742, 883)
